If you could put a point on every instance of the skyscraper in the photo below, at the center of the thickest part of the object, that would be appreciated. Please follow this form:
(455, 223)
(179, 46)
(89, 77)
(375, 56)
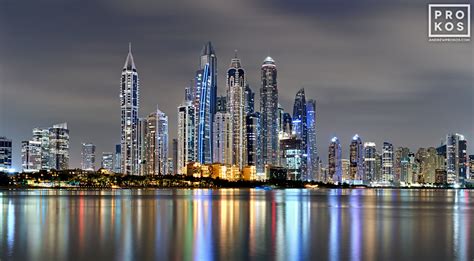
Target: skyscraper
(141, 146)
(253, 132)
(174, 158)
(334, 159)
(88, 157)
(107, 161)
(222, 138)
(269, 112)
(5, 154)
(31, 156)
(129, 98)
(59, 146)
(356, 158)
(370, 153)
(187, 147)
(455, 158)
(117, 158)
(249, 100)
(300, 128)
(221, 104)
(162, 143)
(401, 153)
(311, 147)
(42, 135)
(291, 149)
(205, 95)
(387, 163)
(235, 93)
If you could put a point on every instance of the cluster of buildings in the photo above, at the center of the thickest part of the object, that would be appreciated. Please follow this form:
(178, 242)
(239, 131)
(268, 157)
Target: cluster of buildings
(227, 136)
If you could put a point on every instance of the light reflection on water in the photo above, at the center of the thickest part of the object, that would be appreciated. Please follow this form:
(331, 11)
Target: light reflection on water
(236, 224)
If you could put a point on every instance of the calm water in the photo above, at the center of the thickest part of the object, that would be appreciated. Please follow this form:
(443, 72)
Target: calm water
(237, 224)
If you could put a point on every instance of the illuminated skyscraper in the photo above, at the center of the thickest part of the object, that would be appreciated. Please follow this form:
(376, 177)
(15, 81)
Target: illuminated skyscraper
(356, 158)
(387, 163)
(236, 107)
(401, 153)
(312, 149)
(5, 154)
(42, 135)
(117, 158)
(370, 161)
(186, 135)
(107, 161)
(345, 170)
(59, 146)
(221, 104)
(253, 132)
(142, 146)
(31, 156)
(222, 138)
(456, 158)
(300, 128)
(88, 157)
(291, 151)
(269, 112)
(129, 102)
(205, 95)
(335, 164)
(162, 143)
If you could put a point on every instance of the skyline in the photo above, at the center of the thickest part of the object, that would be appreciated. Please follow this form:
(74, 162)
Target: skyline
(26, 96)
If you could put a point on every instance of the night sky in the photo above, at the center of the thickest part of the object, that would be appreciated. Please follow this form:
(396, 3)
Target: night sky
(368, 64)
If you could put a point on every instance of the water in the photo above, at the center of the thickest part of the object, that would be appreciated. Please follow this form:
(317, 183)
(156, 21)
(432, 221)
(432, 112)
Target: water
(237, 224)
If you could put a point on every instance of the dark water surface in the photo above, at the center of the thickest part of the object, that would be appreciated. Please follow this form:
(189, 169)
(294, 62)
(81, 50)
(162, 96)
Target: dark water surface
(237, 224)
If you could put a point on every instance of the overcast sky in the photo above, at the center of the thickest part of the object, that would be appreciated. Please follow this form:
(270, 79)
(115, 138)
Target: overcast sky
(368, 64)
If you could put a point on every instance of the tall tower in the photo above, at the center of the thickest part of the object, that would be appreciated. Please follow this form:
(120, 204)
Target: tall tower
(356, 153)
(269, 112)
(311, 146)
(186, 135)
(300, 127)
(235, 94)
(387, 162)
(456, 158)
(205, 95)
(59, 146)
(129, 98)
(88, 157)
(335, 161)
(370, 152)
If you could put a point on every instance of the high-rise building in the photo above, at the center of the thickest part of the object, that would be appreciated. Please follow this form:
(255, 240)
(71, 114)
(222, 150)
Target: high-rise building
(291, 151)
(249, 100)
(300, 128)
(187, 147)
(253, 132)
(174, 158)
(471, 166)
(107, 161)
(117, 158)
(59, 146)
(455, 158)
(378, 167)
(222, 138)
(236, 82)
(401, 153)
(5, 154)
(334, 162)
(346, 165)
(370, 152)
(42, 135)
(31, 156)
(205, 95)
(429, 161)
(162, 142)
(88, 157)
(413, 169)
(356, 158)
(142, 146)
(312, 149)
(129, 98)
(269, 110)
(387, 163)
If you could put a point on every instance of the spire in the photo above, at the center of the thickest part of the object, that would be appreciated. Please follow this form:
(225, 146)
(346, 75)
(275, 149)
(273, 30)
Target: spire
(129, 63)
(235, 62)
(235, 53)
(207, 49)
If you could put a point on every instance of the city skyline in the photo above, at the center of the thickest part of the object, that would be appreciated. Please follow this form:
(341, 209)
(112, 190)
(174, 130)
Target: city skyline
(379, 108)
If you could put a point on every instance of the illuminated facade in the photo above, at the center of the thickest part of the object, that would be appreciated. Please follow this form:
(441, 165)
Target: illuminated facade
(186, 135)
(387, 163)
(356, 158)
(300, 128)
(205, 95)
(31, 156)
(5, 154)
(370, 161)
(59, 146)
(253, 131)
(269, 112)
(129, 103)
(456, 158)
(401, 153)
(88, 157)
(235, 93)
(291, 156)
(311, 147)
(334, 161)
(42, 135)
(107, 161)
(222, 138)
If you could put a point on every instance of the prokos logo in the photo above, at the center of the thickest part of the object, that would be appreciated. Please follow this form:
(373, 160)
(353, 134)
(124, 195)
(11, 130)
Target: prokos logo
(449, 20)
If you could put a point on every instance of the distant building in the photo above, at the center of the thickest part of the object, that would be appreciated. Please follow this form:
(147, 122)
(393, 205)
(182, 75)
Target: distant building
(117, 158)
(107, 161)
(187, 147)
(253, 132)
(401, 153)
(335, 161)
(345, 163)
(42, 135)
(300, 127)
(5, 154)
(157, 144)
(456, 151)
(59, 146)
(88, 157)
(174, 158)
(387, 162)
(370, 161)
(222, 138)
(311, 147)
(356, 158)
(291, 157)
(31, 156)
